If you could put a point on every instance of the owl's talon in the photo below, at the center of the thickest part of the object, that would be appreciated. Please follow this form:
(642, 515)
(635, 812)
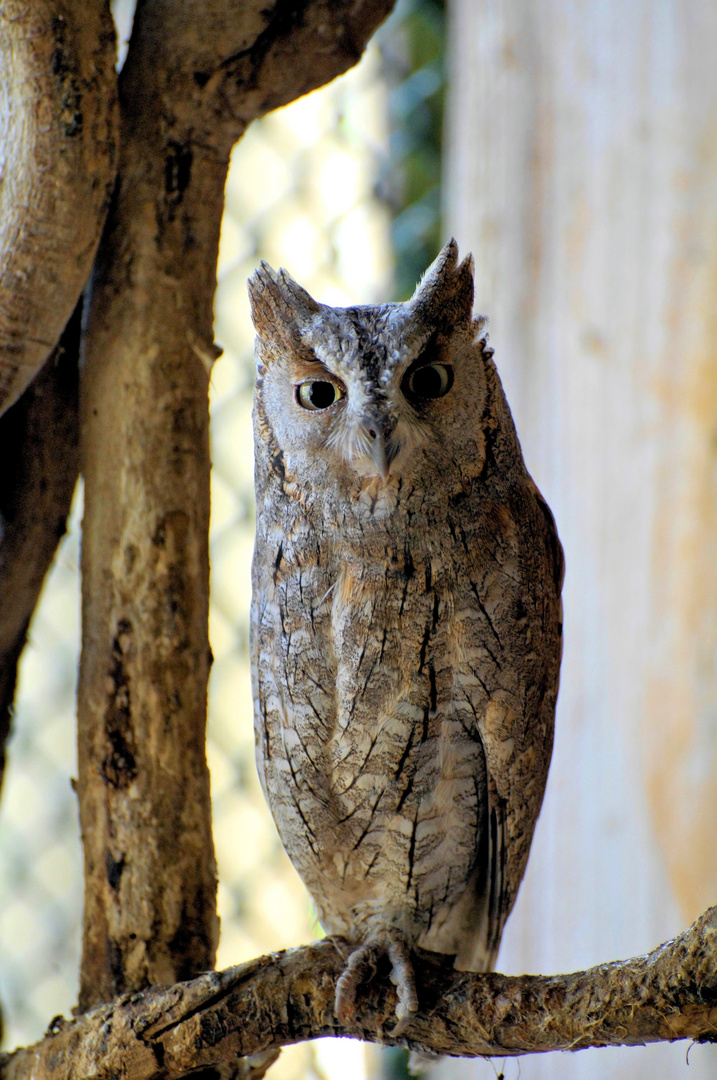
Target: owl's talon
(400, 1026)
(404, 980)
(405, 1011)
(362, 966)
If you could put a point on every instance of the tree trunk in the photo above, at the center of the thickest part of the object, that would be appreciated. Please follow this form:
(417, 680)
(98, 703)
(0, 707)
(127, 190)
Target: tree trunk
(143, 781)
(195, 75)
(582, 174)
(58, 140)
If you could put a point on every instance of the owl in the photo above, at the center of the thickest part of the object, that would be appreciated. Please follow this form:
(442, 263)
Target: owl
(405, 623)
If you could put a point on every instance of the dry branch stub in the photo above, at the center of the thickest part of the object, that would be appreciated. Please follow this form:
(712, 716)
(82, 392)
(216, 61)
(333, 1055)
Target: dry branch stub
(58, 144)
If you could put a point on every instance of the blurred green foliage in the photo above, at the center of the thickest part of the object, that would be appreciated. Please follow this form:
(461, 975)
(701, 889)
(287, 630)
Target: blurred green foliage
(413, 47)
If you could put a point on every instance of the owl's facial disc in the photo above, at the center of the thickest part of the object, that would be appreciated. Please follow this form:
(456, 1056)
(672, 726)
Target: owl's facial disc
(365, 423)
(368, 388)
(353, 419)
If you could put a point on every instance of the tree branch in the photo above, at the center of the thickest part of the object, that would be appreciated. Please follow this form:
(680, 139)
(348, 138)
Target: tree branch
(58, 141)
(305, 45)
(39, 451)
(288, 997)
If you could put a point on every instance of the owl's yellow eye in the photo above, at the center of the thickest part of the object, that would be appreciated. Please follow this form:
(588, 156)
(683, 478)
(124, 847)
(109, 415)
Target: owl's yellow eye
(428, 381)
(318, 395)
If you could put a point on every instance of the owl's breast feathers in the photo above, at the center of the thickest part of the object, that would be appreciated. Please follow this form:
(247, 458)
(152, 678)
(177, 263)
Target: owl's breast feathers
(405, 694)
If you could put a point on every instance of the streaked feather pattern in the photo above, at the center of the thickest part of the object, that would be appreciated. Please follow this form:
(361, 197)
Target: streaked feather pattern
(406, 627)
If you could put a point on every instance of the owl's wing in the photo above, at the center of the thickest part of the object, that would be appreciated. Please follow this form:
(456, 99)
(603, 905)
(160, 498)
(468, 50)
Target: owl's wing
(518, 627)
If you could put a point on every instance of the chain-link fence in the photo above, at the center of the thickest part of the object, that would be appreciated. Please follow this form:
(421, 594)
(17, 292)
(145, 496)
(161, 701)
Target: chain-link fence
(314, 211)
(316, 187)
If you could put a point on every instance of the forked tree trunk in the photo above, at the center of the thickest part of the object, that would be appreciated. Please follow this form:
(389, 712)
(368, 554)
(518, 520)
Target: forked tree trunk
(58, 153)
(195, 75)
(150, 877)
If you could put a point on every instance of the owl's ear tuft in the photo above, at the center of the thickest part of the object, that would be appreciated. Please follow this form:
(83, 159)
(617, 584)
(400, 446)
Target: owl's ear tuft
(445, 292)
(280, 308)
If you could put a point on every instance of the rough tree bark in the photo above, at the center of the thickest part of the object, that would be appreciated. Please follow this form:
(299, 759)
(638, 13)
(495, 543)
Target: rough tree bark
(195, 75)
(58, 150)
(58, 133)
(210, 1022)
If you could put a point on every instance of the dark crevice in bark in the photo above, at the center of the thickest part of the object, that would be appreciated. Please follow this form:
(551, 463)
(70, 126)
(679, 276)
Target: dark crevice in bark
(40, 463)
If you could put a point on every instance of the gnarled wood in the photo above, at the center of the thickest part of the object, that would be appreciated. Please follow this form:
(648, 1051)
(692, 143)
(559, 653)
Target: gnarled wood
(58, 142)
(143, 784)
(288, 997)
(304, 46)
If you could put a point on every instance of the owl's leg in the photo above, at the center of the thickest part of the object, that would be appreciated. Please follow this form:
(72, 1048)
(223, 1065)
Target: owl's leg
(362, 967)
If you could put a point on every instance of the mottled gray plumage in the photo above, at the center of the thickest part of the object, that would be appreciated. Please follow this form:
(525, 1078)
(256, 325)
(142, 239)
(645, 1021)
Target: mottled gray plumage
(406, 628)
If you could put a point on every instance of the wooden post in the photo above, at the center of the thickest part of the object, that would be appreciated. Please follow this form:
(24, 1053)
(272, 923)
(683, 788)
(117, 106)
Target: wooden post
(582, 173)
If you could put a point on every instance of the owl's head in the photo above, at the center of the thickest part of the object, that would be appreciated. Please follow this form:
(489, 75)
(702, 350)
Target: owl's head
(388, 392)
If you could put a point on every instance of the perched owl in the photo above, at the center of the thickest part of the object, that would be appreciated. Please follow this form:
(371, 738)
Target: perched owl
(406, 621)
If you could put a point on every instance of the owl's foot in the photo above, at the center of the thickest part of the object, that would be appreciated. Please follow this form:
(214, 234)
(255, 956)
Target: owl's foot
(362, 966)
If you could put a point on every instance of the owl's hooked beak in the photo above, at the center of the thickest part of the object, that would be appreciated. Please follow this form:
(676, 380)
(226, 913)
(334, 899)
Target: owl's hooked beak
(380, 450)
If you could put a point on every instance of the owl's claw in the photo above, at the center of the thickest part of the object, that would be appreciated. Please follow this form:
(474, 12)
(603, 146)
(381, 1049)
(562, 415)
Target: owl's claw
(362, 966)
(404, 980)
